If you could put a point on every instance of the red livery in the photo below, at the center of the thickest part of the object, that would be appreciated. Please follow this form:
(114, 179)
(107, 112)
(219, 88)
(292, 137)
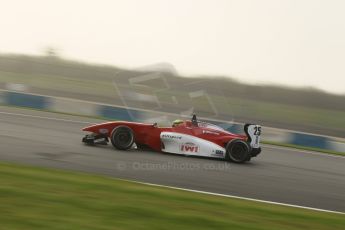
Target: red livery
(190, 137)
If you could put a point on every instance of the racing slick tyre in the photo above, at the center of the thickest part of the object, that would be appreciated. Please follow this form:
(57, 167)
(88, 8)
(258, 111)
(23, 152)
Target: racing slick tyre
(122, 137)
(237, 151)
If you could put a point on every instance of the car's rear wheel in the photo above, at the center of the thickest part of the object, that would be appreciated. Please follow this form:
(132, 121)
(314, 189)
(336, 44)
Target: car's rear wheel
(237, 151)
(122, 137)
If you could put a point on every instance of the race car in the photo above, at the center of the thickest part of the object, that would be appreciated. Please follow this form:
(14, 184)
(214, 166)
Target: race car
(189, 137)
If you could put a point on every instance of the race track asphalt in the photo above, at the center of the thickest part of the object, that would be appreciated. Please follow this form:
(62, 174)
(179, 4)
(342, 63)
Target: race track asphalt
(278, 174)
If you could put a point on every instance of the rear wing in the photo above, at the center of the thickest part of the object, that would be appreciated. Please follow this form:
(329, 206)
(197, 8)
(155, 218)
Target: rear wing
(253, 133)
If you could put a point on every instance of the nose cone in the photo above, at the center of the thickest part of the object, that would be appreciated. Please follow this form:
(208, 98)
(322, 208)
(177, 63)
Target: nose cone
(102, 128)
(89, 128)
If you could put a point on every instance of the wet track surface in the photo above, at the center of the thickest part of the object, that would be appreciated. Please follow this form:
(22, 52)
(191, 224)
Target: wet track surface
(278, 174)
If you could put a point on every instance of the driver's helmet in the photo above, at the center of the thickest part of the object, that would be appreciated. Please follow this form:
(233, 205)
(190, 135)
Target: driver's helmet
(177, 123)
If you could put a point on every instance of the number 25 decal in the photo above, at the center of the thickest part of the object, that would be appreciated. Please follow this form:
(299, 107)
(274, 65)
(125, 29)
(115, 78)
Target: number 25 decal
(257, 131)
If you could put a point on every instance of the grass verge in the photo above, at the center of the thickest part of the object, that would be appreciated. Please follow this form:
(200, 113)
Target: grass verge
(38, 198)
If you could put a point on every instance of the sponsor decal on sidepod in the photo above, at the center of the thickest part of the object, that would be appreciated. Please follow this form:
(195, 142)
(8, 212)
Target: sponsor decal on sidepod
(103, 131)
(189, 147)
(171, 136)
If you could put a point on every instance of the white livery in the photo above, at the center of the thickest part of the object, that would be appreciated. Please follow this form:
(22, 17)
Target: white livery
(185, 144)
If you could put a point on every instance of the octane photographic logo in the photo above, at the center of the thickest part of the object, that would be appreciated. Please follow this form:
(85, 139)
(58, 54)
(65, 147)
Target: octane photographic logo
(149, 88)
(172, 166)
(189, 147)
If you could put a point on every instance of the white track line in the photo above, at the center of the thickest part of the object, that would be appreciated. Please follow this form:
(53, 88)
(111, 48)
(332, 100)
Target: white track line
(235, 197)
(191, 190)
(47, 118)
(302, 151)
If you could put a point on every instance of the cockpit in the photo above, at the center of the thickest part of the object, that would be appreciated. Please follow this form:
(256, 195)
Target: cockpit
(196, 123)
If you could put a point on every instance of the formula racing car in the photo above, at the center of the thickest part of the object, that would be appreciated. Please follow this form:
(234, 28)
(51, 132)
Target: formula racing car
(190, 137)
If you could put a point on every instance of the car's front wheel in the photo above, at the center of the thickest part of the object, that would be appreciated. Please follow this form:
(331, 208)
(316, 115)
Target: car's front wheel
(237, 151)
(122, 137)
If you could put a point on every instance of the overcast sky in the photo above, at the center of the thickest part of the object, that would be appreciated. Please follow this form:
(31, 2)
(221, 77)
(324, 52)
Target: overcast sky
(298, 43)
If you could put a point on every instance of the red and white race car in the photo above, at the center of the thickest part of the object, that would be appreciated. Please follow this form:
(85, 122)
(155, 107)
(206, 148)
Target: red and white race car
(190, 137)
